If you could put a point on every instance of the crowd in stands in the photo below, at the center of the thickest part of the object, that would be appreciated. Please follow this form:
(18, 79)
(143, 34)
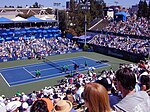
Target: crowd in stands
(132, 26)
(36, 47)
(137, 46)
(124, 90)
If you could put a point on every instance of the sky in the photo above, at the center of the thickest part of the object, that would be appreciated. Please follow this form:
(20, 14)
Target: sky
(50, 3)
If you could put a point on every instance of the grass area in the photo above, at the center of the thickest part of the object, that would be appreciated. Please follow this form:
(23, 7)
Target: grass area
(28, 88)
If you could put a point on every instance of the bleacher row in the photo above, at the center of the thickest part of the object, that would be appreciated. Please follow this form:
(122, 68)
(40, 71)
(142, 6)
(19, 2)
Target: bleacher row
(36, 48)
(134, 25)
(35, 32)
(69, 91)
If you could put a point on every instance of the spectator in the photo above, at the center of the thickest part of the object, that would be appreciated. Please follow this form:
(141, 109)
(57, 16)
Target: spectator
(144, 82)
(132, 101)
(79, 90)
(132, 45)
(35, 48)
(63, 106)
(42, 105)
(2, 107)
(24, 107)
(96, 98)
(132, 26)
(107, 83)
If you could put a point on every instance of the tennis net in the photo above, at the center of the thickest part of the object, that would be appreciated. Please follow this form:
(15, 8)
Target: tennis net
(51, 63)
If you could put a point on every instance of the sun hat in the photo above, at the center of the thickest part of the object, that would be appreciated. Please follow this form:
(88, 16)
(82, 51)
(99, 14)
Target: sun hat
(63, 106)
(13, 105)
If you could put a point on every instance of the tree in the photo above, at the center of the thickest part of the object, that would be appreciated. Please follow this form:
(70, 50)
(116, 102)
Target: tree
(76, 15)
(37, 5)
(96, 8)
(49, 11)
(19, 6)
(143, 9)
(62, 21)
(72, 5)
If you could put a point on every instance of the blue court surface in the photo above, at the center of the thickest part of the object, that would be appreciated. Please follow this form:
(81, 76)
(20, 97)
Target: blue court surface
(26, 74)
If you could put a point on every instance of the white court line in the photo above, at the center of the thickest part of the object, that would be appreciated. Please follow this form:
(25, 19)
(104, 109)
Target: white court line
(4, 79)
(50, 68)
(37, 64)
(32, 81)
(34, 76)
(28, 72)
(89, 58)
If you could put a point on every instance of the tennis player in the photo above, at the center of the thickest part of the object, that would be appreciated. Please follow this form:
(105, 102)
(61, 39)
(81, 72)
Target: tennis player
(38, 74)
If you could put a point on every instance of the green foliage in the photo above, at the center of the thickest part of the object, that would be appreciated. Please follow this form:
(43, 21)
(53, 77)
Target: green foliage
(72, 5)
(77, 14)
(143, 9)
(62, 21)
(49, 10)
(85, 47)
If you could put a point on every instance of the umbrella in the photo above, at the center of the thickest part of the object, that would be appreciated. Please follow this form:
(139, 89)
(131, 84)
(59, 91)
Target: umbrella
(44, 31)
(54, 31)
(10, 33)
(39, 31)
(23, 32)
(1, 38)
(4, 34)
(17, 32)
(36, 28)
(34, 31)
(49, 31)
(28, 31)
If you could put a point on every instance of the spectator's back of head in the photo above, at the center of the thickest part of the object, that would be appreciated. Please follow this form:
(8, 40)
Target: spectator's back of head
(106, 82)
(145, 82)
(77, 85)
(96, 98)
(127, 78)
(42, 105)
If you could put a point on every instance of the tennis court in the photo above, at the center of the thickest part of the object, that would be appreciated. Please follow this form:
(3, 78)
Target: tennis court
(26, 74)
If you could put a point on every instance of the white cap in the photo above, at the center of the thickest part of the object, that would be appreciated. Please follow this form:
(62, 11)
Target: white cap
(13, 105)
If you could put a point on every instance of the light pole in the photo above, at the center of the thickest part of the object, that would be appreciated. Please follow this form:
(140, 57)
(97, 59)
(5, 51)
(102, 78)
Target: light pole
(85, 21)
(57, 16)
(67, 19)
(85, 28)
(149, 52)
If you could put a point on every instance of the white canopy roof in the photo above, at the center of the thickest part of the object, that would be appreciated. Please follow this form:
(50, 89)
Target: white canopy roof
(18, 18)
(47, 18)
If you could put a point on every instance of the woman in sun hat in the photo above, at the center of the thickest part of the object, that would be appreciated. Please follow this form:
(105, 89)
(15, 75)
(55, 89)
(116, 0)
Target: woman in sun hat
(63, 106)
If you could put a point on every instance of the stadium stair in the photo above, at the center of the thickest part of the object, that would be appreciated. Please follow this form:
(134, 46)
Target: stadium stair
(99, 25)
